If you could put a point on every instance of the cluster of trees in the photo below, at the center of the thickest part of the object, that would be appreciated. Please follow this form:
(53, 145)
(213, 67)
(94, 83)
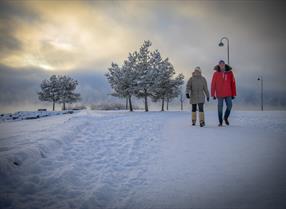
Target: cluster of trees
(59, 89)
(145, 74)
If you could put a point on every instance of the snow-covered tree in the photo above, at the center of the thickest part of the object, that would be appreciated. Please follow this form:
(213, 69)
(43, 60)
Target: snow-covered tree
(50, 90)
(66, 90)
(163, 78)
(114, 77)
(174, 88)
(123, 79)
(146, 73)
(165, 86)
(130, 77)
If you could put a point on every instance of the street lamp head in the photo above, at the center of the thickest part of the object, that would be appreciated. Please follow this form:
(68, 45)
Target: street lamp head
(220, 44)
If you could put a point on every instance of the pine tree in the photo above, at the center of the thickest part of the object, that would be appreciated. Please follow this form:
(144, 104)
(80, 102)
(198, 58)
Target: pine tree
(174, 88)
(50, 90)
(162, 78)
(165, 87)
(115, 77)
(66, 90)
(123, 79)
(146, 74)
(130, 77)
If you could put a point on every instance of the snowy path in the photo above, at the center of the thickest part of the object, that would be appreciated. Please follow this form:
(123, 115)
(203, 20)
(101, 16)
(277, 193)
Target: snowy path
(241, 166)
(143, 160)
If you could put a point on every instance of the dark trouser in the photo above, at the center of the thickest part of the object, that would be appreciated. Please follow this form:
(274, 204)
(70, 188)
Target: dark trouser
(228, 102)
(201, 107)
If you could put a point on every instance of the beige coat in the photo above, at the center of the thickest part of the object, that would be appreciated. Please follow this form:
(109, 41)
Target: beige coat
(197, 88)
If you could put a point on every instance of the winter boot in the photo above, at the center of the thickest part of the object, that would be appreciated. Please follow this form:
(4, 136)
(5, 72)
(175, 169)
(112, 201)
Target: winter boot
(194, 118)
(202, 119)
(226, 121)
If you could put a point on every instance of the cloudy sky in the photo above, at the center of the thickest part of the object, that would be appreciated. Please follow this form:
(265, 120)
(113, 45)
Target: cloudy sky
(82, 38)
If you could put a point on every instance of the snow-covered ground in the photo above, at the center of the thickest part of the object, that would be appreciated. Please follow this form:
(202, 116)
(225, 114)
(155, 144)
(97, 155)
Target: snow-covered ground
(117, 159)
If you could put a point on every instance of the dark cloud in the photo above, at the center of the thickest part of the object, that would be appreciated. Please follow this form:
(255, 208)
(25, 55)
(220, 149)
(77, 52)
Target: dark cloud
(263, 18)
(19, 85)
(256, 30)
(12, 14)
(17, 9)
(8, 43)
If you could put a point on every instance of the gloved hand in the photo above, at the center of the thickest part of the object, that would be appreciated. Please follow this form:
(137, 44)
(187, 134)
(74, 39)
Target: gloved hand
(188, 96)
(232, 97)
(208, 99)
(214, 98)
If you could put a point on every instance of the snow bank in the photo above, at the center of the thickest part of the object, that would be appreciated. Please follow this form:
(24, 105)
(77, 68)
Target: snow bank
(25, 142)
(28, 115)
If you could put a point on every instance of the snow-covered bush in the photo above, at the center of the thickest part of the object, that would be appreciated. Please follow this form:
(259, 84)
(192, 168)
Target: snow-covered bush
(76, 107)
(108, 106)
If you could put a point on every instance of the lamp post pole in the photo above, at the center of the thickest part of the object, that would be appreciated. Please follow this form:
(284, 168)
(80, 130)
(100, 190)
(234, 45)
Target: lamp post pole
(221, 45)
(260, 78)
(182, 99)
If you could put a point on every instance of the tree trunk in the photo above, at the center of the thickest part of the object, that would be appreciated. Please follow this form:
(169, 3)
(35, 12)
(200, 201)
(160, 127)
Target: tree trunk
(54, 105)
(126, 103)
(163, 104)
(167, 103)
(64, 106)
(146, 100)
(130, 104)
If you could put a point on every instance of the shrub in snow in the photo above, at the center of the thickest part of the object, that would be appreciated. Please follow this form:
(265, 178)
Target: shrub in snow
(77, 107)
(108, 106)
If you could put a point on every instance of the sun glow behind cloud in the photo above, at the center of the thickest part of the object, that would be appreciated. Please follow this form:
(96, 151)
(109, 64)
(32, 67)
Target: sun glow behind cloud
(68, 37)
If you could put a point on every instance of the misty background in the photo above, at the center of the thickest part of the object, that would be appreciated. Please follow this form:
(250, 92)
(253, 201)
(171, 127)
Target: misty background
(81, 39)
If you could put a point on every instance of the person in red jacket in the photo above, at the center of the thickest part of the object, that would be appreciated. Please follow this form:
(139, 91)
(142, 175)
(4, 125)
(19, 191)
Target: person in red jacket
(223, 88)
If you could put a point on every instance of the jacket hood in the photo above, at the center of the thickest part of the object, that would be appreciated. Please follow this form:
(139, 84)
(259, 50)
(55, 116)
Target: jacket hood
(227, 68)
(197, 73)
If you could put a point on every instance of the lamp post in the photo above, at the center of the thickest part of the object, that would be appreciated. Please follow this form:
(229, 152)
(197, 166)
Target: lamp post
(182, 98)
(260, 78)
(221, 44)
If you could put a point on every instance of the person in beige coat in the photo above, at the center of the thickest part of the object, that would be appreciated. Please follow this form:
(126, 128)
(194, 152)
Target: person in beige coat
(196, 90)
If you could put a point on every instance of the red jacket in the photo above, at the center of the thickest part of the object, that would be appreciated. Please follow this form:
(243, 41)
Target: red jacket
(223, 84)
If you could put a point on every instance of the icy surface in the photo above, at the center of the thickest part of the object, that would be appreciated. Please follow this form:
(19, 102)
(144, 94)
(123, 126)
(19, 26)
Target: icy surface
(117, 159)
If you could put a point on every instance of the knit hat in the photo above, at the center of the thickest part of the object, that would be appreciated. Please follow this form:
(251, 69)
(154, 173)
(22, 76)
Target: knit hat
(221, 62)
(198, 69)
